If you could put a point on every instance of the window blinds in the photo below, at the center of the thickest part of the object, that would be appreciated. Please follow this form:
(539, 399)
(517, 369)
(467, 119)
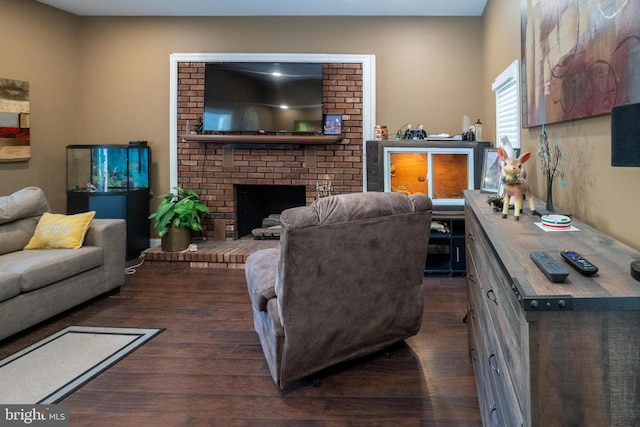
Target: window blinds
(507, 105)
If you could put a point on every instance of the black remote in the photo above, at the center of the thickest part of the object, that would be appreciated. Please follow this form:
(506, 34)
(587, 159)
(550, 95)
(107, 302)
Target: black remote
(576, 261)
(554, 271)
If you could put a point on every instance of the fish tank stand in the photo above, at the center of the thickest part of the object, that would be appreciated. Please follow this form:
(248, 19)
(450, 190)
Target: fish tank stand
(113, 181)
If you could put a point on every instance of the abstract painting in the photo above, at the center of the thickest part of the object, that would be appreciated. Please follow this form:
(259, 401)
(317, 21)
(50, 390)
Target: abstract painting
(579, 58)
(15, 138)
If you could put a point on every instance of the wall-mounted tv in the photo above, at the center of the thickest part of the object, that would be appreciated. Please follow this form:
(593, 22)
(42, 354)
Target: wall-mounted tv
(263, 97)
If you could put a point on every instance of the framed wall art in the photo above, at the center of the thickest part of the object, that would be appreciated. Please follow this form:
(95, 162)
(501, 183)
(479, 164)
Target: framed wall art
(15, 122)
(332, 124)
(578, 58)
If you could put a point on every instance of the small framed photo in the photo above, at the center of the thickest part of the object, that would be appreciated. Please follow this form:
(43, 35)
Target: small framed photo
(491, 171)
(332, 124)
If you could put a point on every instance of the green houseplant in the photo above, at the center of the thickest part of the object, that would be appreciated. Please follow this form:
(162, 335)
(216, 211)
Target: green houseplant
(178, 214)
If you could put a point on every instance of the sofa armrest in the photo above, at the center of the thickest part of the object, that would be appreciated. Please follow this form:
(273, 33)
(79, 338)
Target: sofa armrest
(111, 236)
(260, 270)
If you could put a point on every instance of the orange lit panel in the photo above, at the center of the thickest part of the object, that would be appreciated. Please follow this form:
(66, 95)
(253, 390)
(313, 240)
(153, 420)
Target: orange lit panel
(409, 172)
(450, 175)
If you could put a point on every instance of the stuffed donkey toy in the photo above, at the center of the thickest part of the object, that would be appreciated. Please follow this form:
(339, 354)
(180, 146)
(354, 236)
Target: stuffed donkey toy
(515, 185)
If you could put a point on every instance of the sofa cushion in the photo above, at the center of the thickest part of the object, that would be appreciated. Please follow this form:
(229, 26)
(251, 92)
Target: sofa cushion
(9, 285)
(24, 203)
(57, 231)
(40, 267)
(260, 270)
(16, 234)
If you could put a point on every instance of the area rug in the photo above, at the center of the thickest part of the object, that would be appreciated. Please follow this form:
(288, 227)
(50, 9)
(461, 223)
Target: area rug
(56, 366)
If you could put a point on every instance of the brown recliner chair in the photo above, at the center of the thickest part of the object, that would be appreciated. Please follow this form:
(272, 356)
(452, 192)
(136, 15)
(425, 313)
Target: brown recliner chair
(346, 281)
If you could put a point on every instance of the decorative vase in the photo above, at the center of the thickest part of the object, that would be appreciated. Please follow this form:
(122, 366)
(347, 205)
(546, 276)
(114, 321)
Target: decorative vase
(550, 195)
(176, 239)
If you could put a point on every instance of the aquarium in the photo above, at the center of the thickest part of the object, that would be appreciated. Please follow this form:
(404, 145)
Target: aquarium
(112, 181)
(107, 168)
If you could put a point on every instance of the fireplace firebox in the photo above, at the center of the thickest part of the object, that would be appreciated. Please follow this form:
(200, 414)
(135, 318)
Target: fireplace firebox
(257, 202)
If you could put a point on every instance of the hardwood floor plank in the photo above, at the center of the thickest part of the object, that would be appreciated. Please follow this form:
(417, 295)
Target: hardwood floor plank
(207, 367)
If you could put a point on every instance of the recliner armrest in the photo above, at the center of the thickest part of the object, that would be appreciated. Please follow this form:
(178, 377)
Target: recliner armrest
(260, 270)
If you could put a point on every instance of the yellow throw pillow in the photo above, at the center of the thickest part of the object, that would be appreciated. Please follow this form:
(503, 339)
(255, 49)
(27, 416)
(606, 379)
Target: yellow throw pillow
(60, 231)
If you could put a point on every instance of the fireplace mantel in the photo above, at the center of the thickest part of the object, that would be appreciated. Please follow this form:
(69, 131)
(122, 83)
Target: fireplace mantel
(265, 139)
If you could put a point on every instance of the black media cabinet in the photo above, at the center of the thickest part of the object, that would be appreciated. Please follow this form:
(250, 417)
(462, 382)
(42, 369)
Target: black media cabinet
(446, 253)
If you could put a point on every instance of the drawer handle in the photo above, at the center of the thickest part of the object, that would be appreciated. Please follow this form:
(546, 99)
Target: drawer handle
(471, 278)
(470, 236)
(470, 312)
(493, 363)
(492, 296)
(493, 415)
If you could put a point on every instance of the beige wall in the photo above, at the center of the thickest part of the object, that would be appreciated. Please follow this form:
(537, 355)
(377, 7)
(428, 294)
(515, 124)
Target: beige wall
(121, 71)
(39, 44)
(106, 80)
(125, 68)
(605, 197)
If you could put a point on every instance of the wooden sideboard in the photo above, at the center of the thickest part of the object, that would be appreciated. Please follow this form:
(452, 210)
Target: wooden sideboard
(550, 354)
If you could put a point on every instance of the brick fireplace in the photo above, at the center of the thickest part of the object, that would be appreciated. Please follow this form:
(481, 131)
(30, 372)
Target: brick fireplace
(215, 169)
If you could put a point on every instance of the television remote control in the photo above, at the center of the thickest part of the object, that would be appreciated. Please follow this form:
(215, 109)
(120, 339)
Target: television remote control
(554, 271)
(576, 261)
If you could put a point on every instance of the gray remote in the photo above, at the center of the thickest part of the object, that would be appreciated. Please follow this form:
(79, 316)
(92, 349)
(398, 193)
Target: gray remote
(554, 271)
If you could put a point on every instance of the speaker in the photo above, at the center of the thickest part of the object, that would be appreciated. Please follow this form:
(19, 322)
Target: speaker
(625, 135)
(374, 176)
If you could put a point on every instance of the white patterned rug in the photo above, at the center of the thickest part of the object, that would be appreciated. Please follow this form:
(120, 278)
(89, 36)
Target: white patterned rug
(55, 367)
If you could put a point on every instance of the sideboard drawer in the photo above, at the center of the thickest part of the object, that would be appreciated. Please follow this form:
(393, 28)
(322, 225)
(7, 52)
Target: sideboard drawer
(511, 334)
(496, 358)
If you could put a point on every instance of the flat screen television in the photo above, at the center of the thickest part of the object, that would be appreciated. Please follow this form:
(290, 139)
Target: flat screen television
(263, 97)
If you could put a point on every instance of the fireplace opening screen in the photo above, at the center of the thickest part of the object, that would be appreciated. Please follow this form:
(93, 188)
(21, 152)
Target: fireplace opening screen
(442, 174)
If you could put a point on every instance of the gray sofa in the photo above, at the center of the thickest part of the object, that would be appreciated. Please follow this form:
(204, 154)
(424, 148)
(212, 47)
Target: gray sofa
(346, 281)
(37, 284)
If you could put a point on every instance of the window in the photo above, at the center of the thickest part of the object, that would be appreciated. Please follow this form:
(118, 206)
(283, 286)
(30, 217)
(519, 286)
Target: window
(507, 89)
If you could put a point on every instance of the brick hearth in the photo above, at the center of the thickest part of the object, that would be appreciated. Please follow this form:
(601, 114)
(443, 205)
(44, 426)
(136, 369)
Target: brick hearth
(230, 254)
(213, 169)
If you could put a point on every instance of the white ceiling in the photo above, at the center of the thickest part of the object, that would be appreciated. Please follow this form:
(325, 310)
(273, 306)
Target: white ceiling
(270, 8)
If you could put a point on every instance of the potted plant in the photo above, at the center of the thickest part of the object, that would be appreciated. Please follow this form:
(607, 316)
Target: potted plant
(178, 214)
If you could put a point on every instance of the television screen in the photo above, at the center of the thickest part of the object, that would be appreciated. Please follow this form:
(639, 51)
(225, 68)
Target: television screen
(263, 97)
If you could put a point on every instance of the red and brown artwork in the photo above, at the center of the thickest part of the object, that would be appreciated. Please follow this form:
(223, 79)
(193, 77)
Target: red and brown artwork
(580, 58)
(15, 137)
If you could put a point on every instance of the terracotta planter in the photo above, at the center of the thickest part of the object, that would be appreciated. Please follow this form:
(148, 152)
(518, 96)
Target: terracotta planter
(176, 239)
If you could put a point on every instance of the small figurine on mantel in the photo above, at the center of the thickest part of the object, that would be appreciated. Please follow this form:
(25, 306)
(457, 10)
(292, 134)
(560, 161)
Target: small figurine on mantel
(515, 184)
(198, 127)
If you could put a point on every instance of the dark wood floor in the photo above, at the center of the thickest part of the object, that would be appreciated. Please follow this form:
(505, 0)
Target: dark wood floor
(207, 367)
